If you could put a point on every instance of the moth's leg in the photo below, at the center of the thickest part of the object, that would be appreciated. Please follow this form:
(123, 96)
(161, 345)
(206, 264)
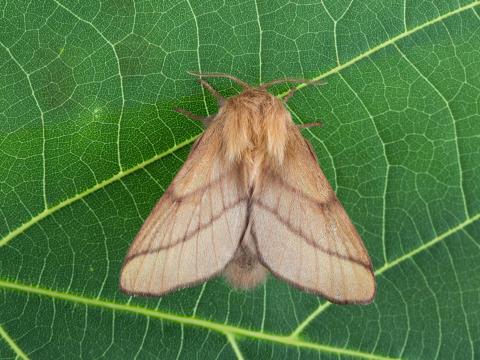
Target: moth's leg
(205, 120)
(309, 125)
(211, 90)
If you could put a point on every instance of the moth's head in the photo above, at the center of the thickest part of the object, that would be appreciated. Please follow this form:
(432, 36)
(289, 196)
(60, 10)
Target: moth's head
(254, 119)
(259, 93)
(256, 101)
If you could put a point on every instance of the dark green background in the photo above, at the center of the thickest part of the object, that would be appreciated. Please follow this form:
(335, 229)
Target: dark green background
(88, 143)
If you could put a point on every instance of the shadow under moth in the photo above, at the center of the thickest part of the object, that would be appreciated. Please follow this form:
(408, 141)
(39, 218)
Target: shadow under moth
(249, 199)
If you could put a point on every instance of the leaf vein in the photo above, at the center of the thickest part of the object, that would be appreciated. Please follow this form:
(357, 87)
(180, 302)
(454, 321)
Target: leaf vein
(236, 349)
(42, 122)
(40, 216)
(391, 41)
(186, 320)
(117, 60)
(13, 345)
(455, 131)
(19, 230)
(324, 306)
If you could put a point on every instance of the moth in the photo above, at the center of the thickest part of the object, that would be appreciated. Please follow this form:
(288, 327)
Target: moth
(250, 199)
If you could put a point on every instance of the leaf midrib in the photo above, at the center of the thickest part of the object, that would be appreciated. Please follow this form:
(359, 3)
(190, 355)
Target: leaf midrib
(228, 330)
(48, 211)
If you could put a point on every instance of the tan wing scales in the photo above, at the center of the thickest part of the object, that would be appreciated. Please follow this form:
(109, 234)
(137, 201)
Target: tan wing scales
(195, 228)
(304, 235)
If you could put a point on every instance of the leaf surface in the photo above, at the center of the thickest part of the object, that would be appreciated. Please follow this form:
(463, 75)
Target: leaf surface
(89, 142)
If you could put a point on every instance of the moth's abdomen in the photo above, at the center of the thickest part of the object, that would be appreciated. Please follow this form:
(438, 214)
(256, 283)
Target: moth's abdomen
(245, 271)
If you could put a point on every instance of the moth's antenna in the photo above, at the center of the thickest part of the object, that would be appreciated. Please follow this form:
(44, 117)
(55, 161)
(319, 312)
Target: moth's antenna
(221, 75)
(304, 82)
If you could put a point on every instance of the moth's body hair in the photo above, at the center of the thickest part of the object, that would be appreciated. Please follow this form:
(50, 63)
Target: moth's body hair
(254, 136)
(255, 126)
(245, 271)
(250, 199)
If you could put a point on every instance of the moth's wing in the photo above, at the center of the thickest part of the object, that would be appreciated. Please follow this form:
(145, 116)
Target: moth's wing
(303, 234)
(194, 229)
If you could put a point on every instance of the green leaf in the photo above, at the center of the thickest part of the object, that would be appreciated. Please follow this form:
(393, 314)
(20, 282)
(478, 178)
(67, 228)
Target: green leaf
(89, 142)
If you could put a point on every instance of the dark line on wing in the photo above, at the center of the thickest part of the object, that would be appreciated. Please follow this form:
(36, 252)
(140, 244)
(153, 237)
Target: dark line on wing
(296, 191)
(170, 192)
(306, 238)
(175, 203)
(301, 287)
(191, 234)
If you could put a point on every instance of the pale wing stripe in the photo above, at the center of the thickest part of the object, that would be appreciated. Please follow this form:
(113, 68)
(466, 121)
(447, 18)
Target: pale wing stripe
(348, 267)
(303, 234)
(212, 239)
(153, 262)
(336, 282)
(222, 195)
(315, 203)
(142, 264)
(184, 241)
(190, 235)
(160, 268)
(144, 259)
(167, 253)
(309, 241)
(327, 283)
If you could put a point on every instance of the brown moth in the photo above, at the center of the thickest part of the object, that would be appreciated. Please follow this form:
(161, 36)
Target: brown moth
(250, 198)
